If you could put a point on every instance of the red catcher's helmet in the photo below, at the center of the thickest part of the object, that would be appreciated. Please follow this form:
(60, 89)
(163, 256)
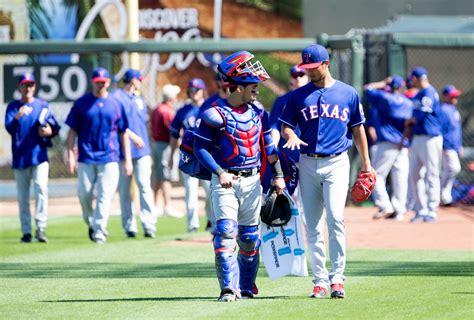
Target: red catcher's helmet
(238, 69)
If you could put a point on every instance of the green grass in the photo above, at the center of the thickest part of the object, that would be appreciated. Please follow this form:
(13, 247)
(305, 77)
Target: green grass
(72, 278)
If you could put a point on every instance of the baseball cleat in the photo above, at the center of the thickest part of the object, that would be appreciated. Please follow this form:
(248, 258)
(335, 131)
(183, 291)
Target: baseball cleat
(319, 292)
(246, 294)
(131, 234)
(429, 219)
(41, 236)
(417, 218)
(337, 291)
(382, 214)
(149, 234)
(26, 238)
(227, 295)
(255, 289)
(91, 234)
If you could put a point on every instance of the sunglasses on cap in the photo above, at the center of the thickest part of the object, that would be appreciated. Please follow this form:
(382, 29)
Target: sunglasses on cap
(298, 74)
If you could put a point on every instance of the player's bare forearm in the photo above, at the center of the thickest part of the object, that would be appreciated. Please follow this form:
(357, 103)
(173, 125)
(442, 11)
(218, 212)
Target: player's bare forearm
(71, 157)
(173, 146)
(275, 136)
(136, 139)
(360, 141)
(292, 140)
(127, 154)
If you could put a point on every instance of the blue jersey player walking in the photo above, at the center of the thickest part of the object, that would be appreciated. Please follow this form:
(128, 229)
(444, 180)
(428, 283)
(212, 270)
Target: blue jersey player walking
(391, 155)
(98, 121)
(228, 143)
(451, 129)
(187, 119)
(328, 113)
(31, 125)
(425, 151)
(137, 116)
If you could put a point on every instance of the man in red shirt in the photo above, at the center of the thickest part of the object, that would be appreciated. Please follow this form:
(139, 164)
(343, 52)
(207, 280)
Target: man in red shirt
(160, 131)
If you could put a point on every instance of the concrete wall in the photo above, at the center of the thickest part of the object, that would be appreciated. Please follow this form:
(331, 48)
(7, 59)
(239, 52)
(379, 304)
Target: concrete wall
(339, 16)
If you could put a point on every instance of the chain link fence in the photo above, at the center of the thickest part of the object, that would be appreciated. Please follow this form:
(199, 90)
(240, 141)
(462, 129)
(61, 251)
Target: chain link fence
(446, 65)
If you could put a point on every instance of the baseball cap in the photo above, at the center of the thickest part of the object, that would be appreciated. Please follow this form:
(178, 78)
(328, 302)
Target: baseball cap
(100, 75)
(313, 56)
(296, 72)
(196, 83)
(451, 91)
(132, 74)
(419, 72)
(26, 78)
(170, 91)
(396, 82)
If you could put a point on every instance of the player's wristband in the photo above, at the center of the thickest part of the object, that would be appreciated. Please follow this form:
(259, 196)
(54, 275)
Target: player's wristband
(219, 171)
(276, 169)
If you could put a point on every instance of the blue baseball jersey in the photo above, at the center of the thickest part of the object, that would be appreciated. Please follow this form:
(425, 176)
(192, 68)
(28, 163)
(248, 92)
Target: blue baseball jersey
(392, 111)
(451, 127)
(233, 137)
(324, 116)
(426, 112)
(98, 123)
(137, 116)
(28, 148)
(185, 119)
(275, 113)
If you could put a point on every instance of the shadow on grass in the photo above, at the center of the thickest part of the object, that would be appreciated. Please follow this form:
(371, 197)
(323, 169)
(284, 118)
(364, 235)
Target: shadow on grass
(206, 270)
(157, 299)
(106, 270)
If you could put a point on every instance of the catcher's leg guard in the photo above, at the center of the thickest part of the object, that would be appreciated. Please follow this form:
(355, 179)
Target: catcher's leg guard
(248, 258)
(227, 268)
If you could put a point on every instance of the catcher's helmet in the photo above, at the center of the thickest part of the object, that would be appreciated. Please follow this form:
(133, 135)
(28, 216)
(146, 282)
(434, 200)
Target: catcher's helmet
(238, 69)
(276, 210)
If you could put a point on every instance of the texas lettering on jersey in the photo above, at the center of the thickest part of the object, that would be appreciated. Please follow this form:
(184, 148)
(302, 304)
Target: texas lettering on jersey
(327, 111)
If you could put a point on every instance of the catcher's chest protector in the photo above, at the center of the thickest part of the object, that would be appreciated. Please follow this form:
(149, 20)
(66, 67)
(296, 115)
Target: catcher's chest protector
(239, 142)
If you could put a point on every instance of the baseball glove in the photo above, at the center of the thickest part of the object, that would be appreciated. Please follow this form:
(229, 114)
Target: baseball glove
(364, 185)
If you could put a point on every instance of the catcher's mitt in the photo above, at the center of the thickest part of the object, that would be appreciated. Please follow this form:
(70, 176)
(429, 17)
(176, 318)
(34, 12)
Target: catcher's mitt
(276, 210)
(363, 186)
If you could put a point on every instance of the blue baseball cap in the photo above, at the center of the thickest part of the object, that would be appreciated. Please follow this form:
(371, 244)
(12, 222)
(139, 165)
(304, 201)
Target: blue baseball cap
(397, 82)
(313, 56)
(26, 78)
(100, 75)
(132, 74)
(451, 91)
(196, 83)
(419, 72)
(297, 72)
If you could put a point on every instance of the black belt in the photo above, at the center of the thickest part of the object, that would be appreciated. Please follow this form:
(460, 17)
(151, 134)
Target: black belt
(244, 172)
(320, 156)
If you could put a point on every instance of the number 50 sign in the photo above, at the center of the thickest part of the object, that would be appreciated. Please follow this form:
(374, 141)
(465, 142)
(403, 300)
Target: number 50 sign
(56, 83)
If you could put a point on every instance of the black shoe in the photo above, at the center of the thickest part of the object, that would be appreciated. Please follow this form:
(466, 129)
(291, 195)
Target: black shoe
(193, 230)
(246, 294)
(227, 295)
(41, 236)
(149, 234)
(26, 238)
(131, 234)
(91, 234)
